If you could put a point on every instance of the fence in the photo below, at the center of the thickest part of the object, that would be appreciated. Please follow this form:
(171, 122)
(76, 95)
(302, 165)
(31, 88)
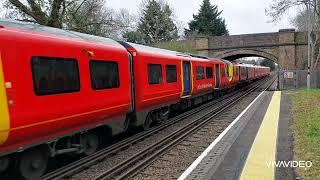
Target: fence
(294, 79)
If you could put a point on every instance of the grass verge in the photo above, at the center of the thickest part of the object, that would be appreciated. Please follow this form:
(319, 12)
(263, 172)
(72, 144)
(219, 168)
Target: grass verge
(306, 130)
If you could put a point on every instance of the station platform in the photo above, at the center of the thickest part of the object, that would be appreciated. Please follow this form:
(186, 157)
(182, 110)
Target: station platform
(251, 145)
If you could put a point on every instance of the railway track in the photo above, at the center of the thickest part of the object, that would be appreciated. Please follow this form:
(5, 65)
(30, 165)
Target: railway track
(140, 160)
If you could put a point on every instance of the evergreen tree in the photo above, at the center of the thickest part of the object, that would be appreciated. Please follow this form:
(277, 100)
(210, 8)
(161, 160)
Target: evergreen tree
(156, 23)
(134, 37)
(207, 21)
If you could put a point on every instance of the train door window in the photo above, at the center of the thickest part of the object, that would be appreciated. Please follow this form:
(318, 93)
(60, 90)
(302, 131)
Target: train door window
(209, 72)
(53, 75)
(243, 71)
(223, 71)
(104, 74)
(154, 74)
(200, 72)
(171, 72)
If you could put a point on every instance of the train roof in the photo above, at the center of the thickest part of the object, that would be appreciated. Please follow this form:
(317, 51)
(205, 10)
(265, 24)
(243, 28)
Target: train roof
(21, 25)
(32, 27)
(139, 47)
(154, 50)
(251, 65)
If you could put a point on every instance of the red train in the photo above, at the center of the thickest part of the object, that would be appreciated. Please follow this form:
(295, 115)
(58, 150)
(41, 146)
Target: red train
(63, 92)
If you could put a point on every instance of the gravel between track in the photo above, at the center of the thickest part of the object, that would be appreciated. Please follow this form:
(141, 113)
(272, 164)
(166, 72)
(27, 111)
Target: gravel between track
(123, 155)
(173, 163)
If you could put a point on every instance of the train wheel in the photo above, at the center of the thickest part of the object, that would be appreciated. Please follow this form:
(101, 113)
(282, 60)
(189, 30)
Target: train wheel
(90, 143)
(4, 164)
(33, 163)
(165, 117)
(147, 123)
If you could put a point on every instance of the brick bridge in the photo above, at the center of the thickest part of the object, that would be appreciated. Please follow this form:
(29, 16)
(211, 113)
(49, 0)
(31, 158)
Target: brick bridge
(286, 47)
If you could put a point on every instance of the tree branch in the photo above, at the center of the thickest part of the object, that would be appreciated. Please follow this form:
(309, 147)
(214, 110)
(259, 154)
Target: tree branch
(54, 19)
(40, 19)
(37, 9)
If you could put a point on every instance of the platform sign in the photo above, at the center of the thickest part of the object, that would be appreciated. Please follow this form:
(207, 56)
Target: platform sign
(288, 75)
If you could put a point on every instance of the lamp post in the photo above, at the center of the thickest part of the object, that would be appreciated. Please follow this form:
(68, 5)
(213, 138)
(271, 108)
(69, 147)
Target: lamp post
(309, 44)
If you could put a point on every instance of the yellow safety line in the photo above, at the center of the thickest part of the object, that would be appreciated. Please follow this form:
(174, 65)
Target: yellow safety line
(4, 110)
(262, 155)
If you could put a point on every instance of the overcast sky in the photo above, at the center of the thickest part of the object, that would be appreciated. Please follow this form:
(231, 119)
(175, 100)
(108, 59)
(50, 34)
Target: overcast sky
(242, 16)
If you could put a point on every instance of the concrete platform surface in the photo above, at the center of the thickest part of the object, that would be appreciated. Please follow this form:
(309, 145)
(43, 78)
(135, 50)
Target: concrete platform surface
(250, 146)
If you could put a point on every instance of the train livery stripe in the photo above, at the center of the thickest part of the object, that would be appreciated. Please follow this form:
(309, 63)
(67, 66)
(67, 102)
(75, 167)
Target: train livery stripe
(191, 78)
(182, 79)
(67, 117)
(160, 97)
(4, 110)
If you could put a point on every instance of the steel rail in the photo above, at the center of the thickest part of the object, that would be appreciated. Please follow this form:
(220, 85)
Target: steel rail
(77, 166)
(130, 166)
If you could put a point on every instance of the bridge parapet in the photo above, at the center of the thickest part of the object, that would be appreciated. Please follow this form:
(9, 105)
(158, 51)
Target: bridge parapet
(245, 40)
(286, 47)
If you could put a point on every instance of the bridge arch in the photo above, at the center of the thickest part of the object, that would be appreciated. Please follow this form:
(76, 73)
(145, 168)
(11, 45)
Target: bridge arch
(287, 47)
(232, 55)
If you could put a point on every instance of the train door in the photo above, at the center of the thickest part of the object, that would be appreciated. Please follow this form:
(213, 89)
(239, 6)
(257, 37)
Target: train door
(217, 70)
(132, 82)
(248, 72)
(186, 78)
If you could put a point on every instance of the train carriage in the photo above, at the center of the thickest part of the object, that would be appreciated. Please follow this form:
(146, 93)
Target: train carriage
(203, 77)
(156, 80)
(251, 70)
(232, 80)
(224, 82)
(65, 91)
(236, 73)
(56, 86)
(260, 71)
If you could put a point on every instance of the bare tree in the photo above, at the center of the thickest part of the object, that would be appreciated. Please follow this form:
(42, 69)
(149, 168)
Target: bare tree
(44, 12)
(300, 21)
(126, 22)
(310, 14)
(278, 8)
(86, 16)
(89, 16)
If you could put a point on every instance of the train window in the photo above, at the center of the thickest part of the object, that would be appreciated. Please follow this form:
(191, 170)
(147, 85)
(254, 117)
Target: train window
(209, 72)
(235, 71)
(154, 74)
(104, 74)
(55, 75)
(200, 72)
(171, 72)
(223, 71)
(243, 71)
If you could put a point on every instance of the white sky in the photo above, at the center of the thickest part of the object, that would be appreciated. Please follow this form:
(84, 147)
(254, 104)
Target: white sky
(242, 16)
